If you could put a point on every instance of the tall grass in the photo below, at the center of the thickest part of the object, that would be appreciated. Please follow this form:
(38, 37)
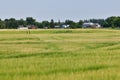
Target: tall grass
(85, 54)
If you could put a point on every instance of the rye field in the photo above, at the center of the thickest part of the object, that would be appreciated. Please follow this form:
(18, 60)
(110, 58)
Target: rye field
(80, 54)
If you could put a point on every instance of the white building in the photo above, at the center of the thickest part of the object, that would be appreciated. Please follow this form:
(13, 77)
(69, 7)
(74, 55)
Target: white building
(22, 27)
(91, 25)
(62, 26)
(65, 26)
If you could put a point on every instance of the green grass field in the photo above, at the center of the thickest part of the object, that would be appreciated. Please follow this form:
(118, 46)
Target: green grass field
(81, 54)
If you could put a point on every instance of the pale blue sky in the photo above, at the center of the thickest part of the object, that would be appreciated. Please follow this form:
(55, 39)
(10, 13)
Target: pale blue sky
(59, 9)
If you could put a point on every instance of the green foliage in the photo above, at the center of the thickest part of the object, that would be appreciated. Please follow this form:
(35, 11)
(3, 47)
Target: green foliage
(52, 24)
(46, 24)
(71, 23)
(79, 24)
(12, 23)
(113, 22)
(30, 21)
(22, 22)
(2, 25)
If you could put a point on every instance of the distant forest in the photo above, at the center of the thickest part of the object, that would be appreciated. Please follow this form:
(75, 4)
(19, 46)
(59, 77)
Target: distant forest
(12, 23)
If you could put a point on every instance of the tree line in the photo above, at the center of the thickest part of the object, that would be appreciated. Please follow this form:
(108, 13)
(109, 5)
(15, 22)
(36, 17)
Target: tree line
(12, 23)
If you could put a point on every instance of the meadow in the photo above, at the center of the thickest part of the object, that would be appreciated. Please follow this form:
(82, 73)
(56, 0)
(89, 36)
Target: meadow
(66, 54)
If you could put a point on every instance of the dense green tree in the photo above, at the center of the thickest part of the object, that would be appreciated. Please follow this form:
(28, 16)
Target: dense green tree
(116, 22)
(12, 23)
(22, 22)
(6, 21)
(45, 24)
(30, 21)
(109, 21)
(59, 23)
(71, 23)
(2, 25)
(39, 25)
(113, 22)
(52, 24)
(79, 24)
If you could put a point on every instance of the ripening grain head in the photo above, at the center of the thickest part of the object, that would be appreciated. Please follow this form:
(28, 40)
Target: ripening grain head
(86, 54)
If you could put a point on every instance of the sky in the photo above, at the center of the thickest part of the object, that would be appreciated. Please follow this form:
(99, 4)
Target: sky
(59, 9)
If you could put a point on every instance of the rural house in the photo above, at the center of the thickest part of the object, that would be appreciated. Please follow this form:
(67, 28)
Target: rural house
(62, 26)
(22, 27)
(27, 27)
(91, 25)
